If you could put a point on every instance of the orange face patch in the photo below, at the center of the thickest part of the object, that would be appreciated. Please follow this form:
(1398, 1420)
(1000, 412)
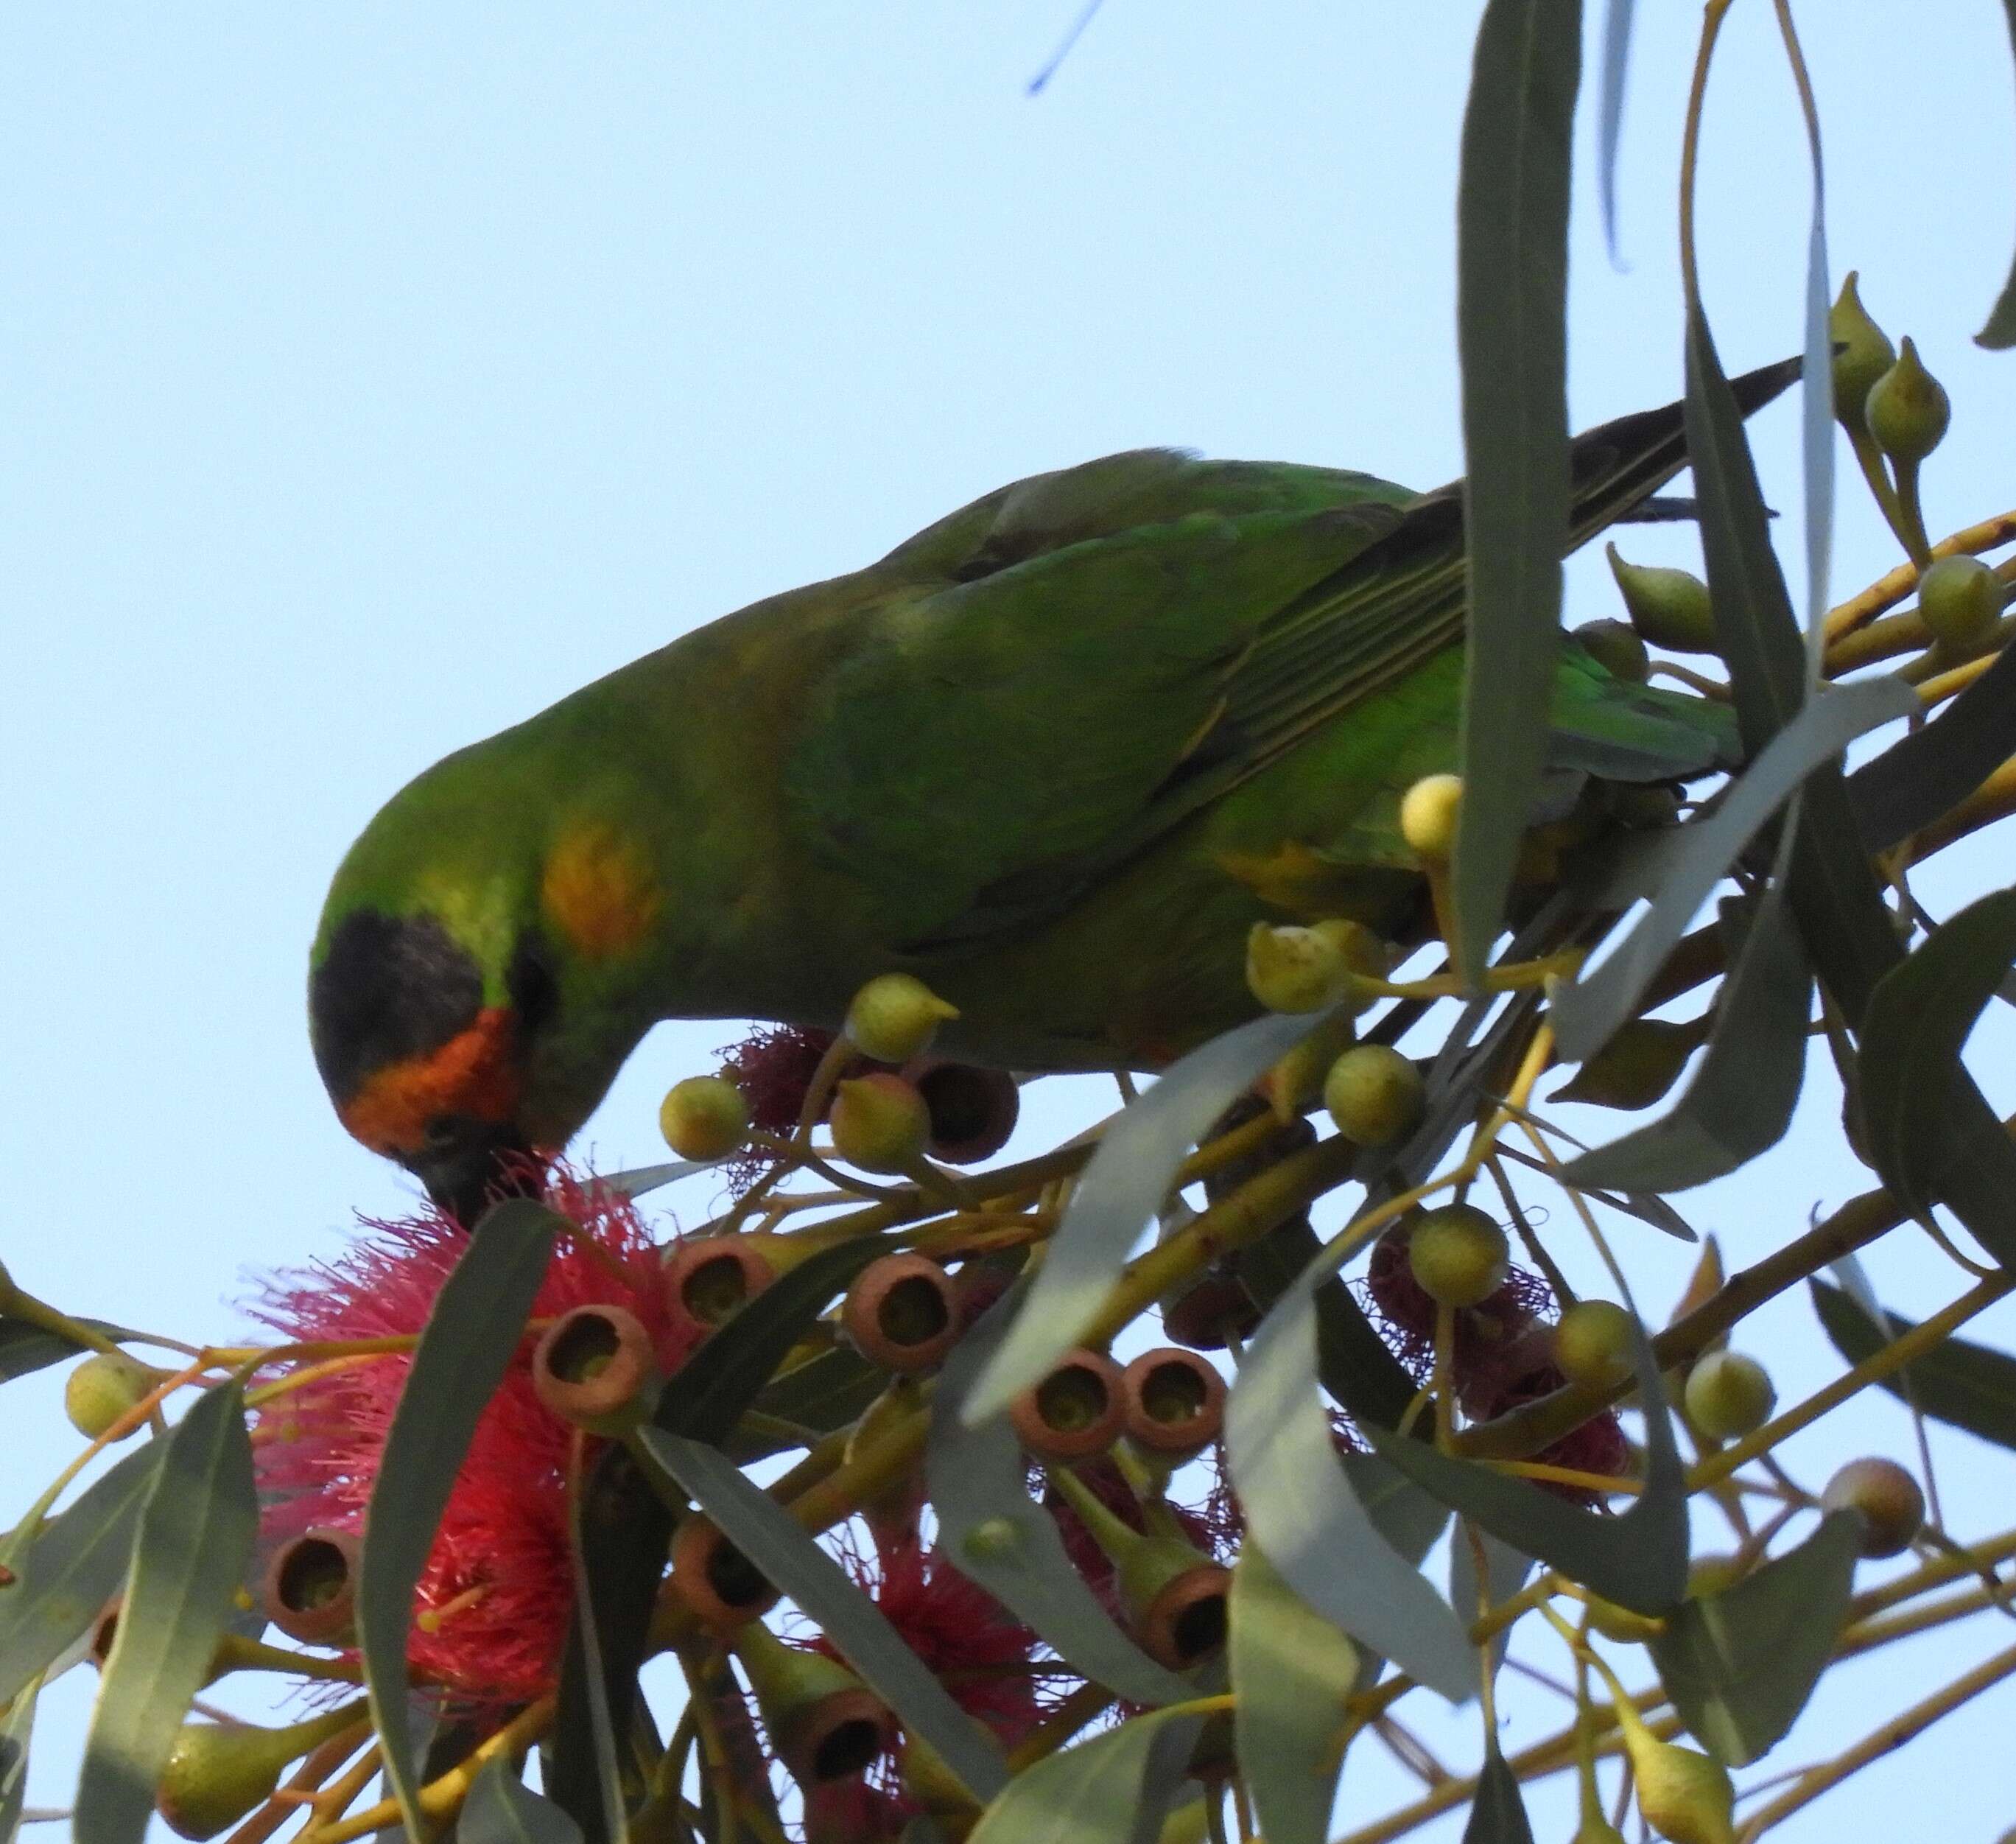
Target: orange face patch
(598, 891)
(469, 1075)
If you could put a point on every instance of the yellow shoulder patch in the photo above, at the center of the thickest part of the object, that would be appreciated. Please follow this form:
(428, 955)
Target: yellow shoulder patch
(598, 891)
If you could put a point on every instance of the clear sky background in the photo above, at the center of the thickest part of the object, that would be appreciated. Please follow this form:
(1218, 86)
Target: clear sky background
(373, 375)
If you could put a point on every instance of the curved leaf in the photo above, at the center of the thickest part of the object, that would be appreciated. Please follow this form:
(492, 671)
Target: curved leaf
(1512, 262)
(1999, 334)
(1122, 1188)
(72, 1568)
(191, 1548)
(17, 1730)
(1588, 1012)
(1929, 769)
(994, 1535)
(501, 1809)
(25, 1349)
(1105, 1791)
(476, 1324)
(1610, 114)
(1291, 1670)
(1739, 1666)
(641, 1179)
(786, 1556)
(1965, 1384)
(1302, 1509)
(1740, 1100)
(1497, 1812)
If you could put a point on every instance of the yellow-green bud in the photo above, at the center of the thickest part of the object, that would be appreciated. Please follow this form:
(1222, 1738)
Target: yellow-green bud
(1961, 599)
(1891, 1506)
(894, 1018)
(705, 1117)
(1374, 1094)
(1908, 409)
(1863, 353)
(1728, 1395)
(1670, 608)
(1597, 1829)
(1428, 813)
(1593, 1344)
(1616, 647)
(1459, 1255)
(1682, 1794)
(219, 1771)
(1293, 970)
(879, 1122)
(104, 1387)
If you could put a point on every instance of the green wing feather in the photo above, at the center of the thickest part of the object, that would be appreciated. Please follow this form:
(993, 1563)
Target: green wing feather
(1090, 658)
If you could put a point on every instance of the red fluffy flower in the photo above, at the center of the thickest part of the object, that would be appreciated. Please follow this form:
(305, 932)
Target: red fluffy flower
(491, 1608)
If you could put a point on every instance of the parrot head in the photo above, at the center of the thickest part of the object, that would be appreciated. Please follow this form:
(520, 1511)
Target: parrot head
(473, 991)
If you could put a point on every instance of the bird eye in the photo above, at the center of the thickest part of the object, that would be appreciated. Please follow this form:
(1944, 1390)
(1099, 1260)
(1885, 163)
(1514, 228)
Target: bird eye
(440, 1134)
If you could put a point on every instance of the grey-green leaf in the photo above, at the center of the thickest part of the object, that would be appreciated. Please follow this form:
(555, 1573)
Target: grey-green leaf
(71, 1569)
(1497, 1814)
(25, 1349)
(501, 1809)
(1302, 1509)
(1965, 1384)
(997, 1536)
(1931, 769)
(1587, 1012)
(476, 1325)
(1999, 334)
(640, 1179)
(1740, 1099)
(1099, 1791)
(1739, 1666)
(1122, 1187)
(1512, 219)
(191, 1549)
(785, 1556)
(1291, 1670)
(1610, 114)
(15, 1733)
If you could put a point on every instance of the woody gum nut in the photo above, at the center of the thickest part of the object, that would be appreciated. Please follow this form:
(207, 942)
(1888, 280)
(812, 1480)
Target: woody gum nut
(310, 1589)
(593, 1364)
(1886, 1497)
(1186, 1620)
(1211, 1313)
(708, 1280)
(901, 1314)
(1174, 1401)
(721, 1587)
(972, 1111)
(1076, 1411)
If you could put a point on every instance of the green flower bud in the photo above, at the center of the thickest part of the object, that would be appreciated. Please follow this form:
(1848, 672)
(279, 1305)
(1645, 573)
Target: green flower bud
(1908, 409)
(1459, 1254)
(705, 1117)
(219, 1771)
(879, 1122)
(1891, 1507)
(1961, 600)
(894, 1018)
(1863, 353)
(1616, 647)
(1597, 1829)
(1374, 1094)
(104, 1387)
(1682, 1794)
(1670, 608)
(1728, 1395)
(1593, 1344)
(1428, 813)
(825, 1724)
(1293, 970)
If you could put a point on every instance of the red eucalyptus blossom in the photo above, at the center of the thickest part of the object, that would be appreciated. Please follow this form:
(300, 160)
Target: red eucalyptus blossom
(492, 1603)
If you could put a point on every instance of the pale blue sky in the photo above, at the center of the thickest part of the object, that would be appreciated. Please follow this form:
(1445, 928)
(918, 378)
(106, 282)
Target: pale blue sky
(374, 374)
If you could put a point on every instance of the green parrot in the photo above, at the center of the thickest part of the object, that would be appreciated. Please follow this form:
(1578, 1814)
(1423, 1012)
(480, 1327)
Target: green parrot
(1054, 754)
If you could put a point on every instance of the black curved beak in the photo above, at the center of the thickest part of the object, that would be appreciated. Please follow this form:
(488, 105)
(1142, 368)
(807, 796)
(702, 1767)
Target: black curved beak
(483, 1164)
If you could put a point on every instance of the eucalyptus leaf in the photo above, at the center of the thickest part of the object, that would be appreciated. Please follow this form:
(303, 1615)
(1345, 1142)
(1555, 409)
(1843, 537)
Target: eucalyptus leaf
(1291, 1671)
(786, 1556)
(1117, 1198)
(17, 1730)
(1934, 768)
(1639, 1560)
(1610, 114)
(478, 1321)
(72, 1567)
(25, 1349)
(1098, 1792)
(192, 1546)
(1816, 435)
(1739, 1666)
(1585, 1013)
(1497, 1812)
(1512, 225)
(1999, 334)
(641, 1179)
(606, 1820)
(1740, 1099)
(825, 1392)
(1302, 1508)
(997, 1536)
(1923, 1120)
(1965, 1384)
(501, 1809)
